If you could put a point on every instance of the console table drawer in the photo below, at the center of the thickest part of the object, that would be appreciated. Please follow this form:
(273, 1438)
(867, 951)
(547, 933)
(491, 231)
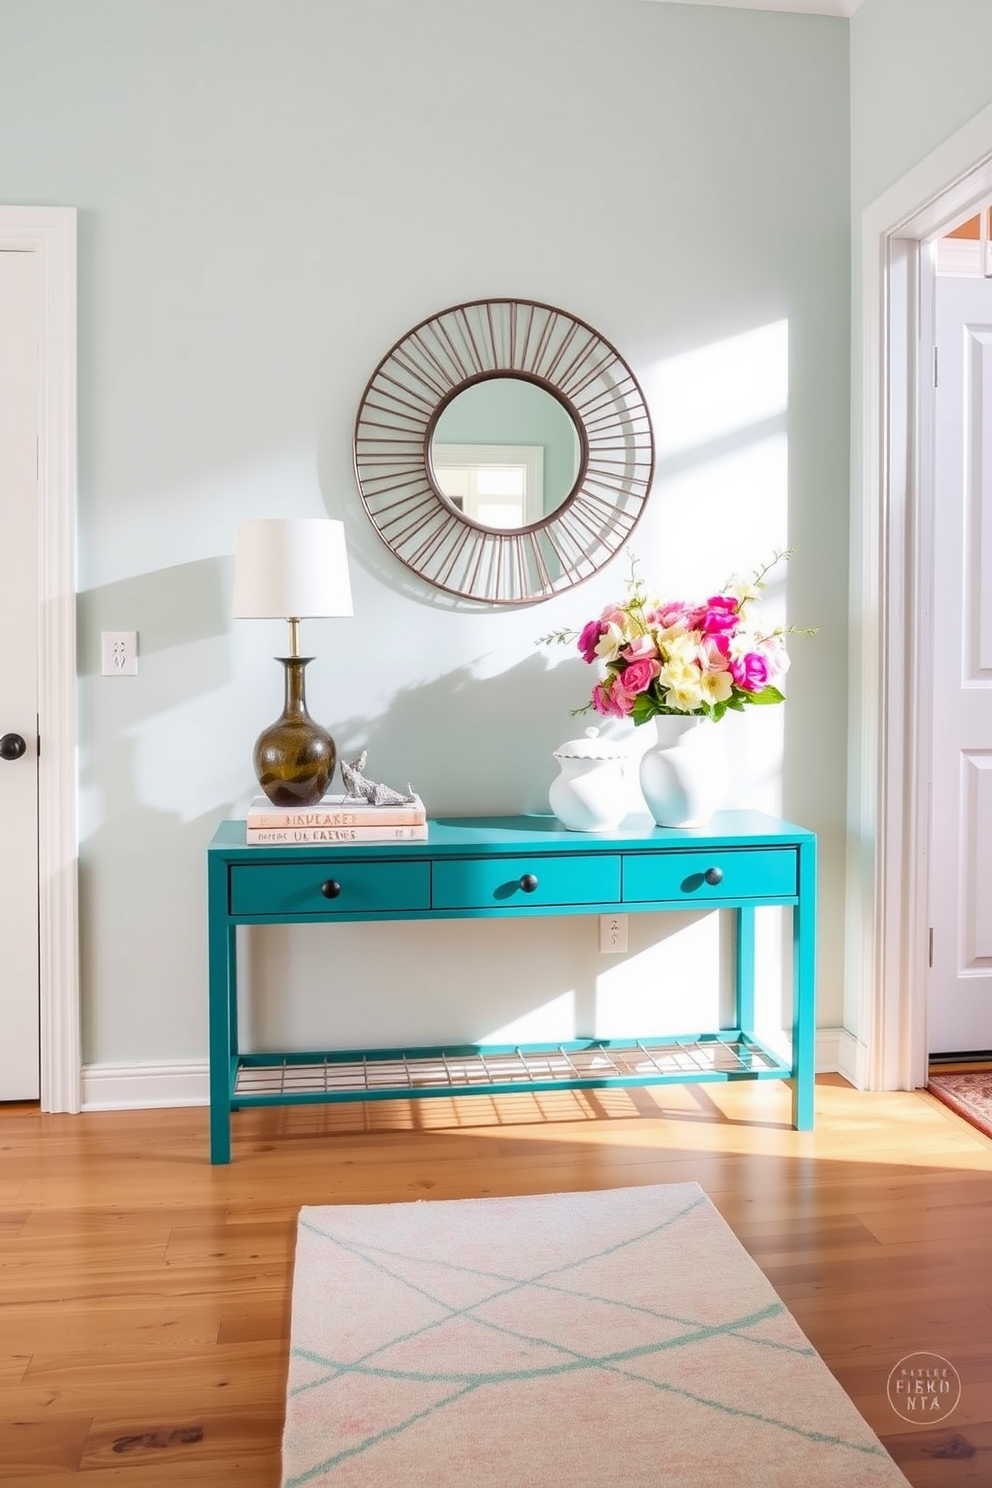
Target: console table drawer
(296, 888)
(506, 883)
(765, 873)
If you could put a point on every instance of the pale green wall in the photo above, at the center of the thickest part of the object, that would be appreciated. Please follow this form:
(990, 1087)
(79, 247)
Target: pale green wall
(258, 188)
(919, 70)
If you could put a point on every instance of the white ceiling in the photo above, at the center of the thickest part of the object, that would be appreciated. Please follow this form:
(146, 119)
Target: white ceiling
(805, 7)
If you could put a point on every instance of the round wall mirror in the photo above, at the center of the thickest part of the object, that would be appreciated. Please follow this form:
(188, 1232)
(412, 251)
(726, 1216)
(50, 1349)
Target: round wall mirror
(503, 451)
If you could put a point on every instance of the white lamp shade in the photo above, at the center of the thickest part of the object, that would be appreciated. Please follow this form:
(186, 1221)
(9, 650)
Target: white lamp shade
(291, 568)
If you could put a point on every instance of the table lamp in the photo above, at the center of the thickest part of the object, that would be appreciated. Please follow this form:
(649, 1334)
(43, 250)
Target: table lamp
(292, 568)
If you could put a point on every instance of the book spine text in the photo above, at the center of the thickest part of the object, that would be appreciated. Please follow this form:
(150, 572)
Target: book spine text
(291, 836)
(380, 817)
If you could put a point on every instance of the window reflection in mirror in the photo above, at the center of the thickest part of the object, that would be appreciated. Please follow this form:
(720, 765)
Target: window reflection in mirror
(506, 452)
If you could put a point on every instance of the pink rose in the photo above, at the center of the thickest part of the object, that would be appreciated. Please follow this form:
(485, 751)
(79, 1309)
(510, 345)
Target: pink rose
(638, 676)
(714, 651)
(640, 646)
(612, 700)
(669, 614)
(750, 672)
(718, 616)
(776, 657)
(589, 639)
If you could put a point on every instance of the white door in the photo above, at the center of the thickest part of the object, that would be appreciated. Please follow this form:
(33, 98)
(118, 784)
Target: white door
(960, 993)
(19, 392)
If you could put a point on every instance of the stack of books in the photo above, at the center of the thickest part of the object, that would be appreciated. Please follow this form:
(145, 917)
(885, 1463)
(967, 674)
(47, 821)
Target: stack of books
(338, 820)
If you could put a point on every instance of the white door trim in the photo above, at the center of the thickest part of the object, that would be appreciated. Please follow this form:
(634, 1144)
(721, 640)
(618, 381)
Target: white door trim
(51, 233)
(889, 736)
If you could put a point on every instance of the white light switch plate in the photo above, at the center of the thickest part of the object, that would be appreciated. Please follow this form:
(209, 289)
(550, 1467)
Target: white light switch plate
(119, 653)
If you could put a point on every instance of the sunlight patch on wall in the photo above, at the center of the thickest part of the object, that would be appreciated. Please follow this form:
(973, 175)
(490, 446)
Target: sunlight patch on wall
(721, 508)
(551, 1020)
(670, 985)
(714, 391)
(721, 489)
(720, 517)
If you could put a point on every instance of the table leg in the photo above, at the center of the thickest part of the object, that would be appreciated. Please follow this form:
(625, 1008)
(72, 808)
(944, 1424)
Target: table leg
(745, 969)
(222, 997)
(804, 991)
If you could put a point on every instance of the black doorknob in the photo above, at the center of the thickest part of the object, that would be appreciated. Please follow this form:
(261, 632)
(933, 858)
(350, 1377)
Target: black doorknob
(713, 875)
(12, 746)
(529, 883)
(330, 888)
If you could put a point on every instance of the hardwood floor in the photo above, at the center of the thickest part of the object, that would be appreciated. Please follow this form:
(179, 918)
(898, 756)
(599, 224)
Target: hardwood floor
(144, 1295)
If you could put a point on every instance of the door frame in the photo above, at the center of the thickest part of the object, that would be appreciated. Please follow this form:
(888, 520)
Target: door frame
(50, 232)
(891, 585)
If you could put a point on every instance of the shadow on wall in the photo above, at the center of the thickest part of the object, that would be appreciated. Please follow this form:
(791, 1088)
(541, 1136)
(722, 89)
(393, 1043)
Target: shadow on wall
(168, 607)
(466, 742)
(472, 740)
(475, 744)
(142, 915)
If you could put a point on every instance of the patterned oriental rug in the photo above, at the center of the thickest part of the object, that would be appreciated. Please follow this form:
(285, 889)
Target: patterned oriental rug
(617, 1337)
(969, 1093)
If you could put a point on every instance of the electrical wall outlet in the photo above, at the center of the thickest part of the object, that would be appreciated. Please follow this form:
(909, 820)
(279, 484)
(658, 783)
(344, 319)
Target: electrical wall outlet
(612, 934)
(119, 653)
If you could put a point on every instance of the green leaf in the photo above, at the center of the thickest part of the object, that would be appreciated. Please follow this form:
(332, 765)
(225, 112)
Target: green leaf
(767, 694)
(644, 708)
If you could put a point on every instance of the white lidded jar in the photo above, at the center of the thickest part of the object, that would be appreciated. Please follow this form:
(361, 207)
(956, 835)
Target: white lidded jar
(590, 792)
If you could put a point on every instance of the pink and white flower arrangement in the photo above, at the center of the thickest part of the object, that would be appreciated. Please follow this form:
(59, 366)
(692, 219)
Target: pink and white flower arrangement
(697, 657)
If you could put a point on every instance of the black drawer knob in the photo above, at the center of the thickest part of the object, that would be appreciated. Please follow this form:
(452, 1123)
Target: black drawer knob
(713, 875)
(528, 882)
(12, 746)
(330, 888)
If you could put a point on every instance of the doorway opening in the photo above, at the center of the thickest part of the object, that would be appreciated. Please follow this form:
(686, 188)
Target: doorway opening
(892, 586)
(957, 278)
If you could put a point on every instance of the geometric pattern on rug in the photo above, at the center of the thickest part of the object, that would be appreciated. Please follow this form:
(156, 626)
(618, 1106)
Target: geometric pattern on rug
(969, 1093)
(620, 1336)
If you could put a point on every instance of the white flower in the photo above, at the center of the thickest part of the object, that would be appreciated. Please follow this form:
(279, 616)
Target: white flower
(680, 650)
(716, 686)
(611, 642)
(741, 643)
(744, 590)
(682, 689)
(677, 673)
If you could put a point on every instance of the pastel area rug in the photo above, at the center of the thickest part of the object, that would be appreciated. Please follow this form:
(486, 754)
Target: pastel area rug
(969, 1093)
(570, 1340)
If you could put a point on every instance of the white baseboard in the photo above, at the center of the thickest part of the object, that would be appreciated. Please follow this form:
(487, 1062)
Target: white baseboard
(839, 1052)
(146, 1084)
(130, 1087)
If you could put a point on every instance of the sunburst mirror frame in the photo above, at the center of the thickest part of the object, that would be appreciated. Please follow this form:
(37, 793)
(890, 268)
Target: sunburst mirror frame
(425, 371)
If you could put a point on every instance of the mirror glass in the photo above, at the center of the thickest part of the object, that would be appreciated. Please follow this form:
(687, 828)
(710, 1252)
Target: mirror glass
(505, 452)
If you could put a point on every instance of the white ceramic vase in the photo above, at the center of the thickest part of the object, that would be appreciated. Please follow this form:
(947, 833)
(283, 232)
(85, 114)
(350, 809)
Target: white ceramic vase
(683, 776)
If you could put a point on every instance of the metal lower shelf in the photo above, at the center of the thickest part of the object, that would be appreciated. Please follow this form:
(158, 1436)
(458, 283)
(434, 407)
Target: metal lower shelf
(388, 1074)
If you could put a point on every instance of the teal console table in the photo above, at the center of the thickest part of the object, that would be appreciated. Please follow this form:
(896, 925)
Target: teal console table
(495, 867)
